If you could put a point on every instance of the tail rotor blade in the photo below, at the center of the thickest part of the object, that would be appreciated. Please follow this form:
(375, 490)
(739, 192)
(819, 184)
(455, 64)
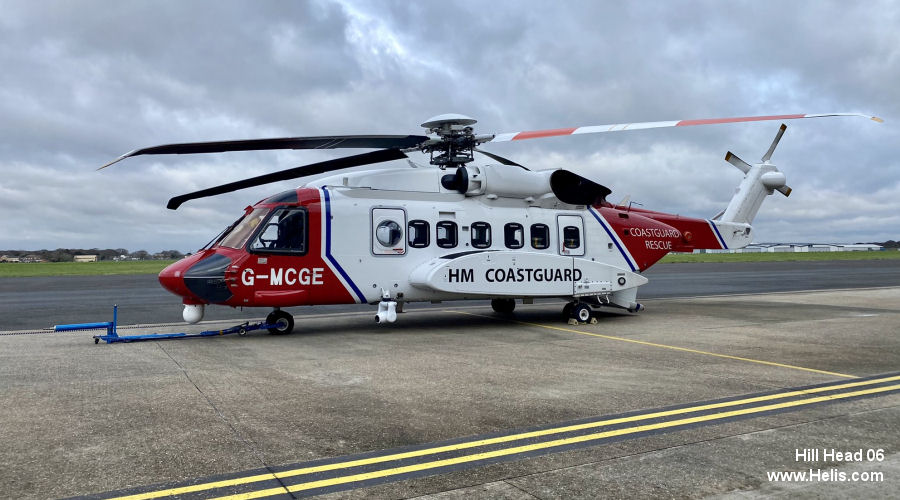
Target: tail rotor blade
(292, 173)
(771, 150)
(737, 162)
(785, 190)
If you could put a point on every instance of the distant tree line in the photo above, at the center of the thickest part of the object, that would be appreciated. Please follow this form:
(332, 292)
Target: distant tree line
(68, 254)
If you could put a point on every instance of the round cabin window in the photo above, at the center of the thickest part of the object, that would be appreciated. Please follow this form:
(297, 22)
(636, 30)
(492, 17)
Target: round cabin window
(388, 233)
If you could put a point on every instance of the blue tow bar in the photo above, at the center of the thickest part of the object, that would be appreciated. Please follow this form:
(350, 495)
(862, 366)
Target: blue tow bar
(113, 336)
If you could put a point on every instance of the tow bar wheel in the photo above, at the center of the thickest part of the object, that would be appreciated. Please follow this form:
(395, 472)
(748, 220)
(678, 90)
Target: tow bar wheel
(284, 322)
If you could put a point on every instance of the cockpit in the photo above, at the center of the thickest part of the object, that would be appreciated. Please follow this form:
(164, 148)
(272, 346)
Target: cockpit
(282, 230)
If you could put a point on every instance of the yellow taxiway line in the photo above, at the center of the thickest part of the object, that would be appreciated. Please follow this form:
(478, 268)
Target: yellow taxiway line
(526, 435)
(664, 346)
(538, 446)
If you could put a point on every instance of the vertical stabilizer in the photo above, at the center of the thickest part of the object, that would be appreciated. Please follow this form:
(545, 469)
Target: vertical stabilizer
(759, 181)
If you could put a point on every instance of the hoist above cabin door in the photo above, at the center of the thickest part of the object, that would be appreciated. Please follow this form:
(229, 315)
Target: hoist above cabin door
(388, 231)
(570, 232)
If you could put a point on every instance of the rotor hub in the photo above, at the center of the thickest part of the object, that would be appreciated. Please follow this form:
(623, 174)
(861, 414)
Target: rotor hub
(455, 141)
(448, 120)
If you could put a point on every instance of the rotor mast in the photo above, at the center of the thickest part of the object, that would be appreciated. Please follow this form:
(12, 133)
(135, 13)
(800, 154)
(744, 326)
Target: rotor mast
(455, 141)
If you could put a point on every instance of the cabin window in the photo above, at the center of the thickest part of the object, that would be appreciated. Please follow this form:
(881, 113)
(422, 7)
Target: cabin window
(481, 234)
(418, 234)
(571, 237)
(388, 233)
(540, 236)
(283, 232)
(514, 235)
(446, 234)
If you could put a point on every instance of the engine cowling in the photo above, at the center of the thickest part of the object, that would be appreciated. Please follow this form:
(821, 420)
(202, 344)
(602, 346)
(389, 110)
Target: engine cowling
(510, 182)
(499, 180)
(572, 188)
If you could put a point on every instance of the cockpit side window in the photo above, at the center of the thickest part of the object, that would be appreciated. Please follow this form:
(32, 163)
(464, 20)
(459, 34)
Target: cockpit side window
(240, 233)
(285, 231)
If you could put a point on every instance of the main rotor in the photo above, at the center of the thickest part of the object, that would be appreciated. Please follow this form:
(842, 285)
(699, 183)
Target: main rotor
(451, 143)
(454, 142)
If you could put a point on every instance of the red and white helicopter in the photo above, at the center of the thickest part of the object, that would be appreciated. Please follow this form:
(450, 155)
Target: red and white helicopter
(454, 231)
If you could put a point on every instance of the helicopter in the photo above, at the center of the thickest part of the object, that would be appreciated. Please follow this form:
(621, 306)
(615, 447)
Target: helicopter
(449, 231)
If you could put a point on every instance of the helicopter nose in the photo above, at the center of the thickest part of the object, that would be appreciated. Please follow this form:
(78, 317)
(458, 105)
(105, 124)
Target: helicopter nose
(198, 278)
(205, 279)
(171, 278)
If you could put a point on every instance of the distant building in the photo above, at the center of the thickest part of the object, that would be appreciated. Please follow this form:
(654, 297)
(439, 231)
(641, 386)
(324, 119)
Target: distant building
(27, 258)
(862, 247)
(823, 248)
(85, 258)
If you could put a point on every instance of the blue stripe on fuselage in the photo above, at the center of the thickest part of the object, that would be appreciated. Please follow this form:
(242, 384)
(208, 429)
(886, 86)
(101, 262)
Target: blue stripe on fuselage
(362, 298)
(718, 235)
(612, 238)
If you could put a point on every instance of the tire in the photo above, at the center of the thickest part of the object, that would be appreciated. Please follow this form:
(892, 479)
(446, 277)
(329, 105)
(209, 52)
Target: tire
(581, 312)
(503, 306)
(284, 322)
(567, 310)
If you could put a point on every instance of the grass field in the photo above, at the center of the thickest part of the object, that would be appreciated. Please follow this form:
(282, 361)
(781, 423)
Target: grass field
(780, 256)
(16, 270)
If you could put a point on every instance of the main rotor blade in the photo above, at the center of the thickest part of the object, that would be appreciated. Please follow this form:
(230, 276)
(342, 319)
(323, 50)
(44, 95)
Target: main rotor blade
(322, 142)
(766, 157)
(292, 173)
(617, 127)
(498, 158)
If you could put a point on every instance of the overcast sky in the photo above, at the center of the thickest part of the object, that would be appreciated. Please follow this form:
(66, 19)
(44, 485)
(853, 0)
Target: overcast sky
(82, 82)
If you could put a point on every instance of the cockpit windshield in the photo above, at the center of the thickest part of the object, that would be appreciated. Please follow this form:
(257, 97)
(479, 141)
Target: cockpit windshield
(241, 231)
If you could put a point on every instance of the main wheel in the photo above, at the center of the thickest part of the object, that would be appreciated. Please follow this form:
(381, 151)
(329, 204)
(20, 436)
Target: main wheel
(284, 322)
(567, 310)
(503, 306)
(581, 312)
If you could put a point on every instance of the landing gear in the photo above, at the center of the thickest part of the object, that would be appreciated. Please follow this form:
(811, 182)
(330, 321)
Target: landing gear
(567, 311)
(578, 311)
(284, 322)
(581, 312)
(503, 306)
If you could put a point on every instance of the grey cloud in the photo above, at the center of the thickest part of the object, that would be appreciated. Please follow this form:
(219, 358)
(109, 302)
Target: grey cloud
(84, 81)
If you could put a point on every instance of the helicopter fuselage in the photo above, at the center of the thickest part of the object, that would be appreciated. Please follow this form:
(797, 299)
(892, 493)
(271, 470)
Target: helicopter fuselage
(401, 236)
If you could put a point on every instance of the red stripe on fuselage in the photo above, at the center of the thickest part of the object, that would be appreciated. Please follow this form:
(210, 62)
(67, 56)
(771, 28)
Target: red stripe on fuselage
(712, 121)
(301, 279)
(646, 238)
(701, 235)
(536, 134)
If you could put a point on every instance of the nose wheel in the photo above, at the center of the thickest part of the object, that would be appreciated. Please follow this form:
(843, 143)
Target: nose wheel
(284, 322)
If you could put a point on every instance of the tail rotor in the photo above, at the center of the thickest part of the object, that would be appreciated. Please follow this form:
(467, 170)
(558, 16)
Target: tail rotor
(760, 180)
